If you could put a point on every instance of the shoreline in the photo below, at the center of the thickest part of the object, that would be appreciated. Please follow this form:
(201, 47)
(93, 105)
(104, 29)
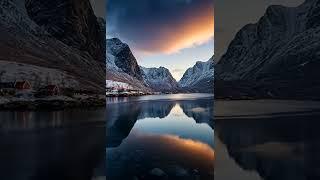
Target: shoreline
(266, 98)
(51, 103)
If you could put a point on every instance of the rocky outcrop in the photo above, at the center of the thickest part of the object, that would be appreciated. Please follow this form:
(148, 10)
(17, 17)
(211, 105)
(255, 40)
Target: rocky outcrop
(72, 22)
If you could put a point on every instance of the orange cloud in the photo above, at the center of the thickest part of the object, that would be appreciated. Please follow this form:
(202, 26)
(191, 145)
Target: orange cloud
(201, 154)
(196, 29)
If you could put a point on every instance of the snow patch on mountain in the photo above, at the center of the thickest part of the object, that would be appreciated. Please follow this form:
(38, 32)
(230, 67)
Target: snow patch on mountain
(117, 85)
(115, 46)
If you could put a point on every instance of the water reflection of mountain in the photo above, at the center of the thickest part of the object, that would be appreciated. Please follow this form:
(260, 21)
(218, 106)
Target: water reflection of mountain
(201, 111)
(167, 136)
(31, 120)
(49, 145)
(121, 117)
(281, 147)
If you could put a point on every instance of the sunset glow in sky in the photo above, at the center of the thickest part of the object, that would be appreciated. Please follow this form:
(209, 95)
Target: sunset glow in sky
(169, 33)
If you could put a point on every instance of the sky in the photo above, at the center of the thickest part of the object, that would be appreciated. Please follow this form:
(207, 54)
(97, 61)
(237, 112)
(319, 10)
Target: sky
(169, 33)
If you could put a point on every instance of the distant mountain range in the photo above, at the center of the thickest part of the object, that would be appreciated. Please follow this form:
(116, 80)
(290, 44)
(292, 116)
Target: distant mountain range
(159, 79)
(61, 38)
(278, 57)
(122, 67)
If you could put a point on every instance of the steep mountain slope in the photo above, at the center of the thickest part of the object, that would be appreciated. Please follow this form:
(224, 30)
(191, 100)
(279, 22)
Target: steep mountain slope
(73, 22)
(199, 78)
(276, 57)
(122, 66)
(54, 35)
(159, 79)
(120, 55)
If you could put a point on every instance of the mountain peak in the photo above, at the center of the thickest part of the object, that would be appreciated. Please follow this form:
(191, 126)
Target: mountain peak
(199, 78)
(160, 79)
(115, 40)
(275, 54)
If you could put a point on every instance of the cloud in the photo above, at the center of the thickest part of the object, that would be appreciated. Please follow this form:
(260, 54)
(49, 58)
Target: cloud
(161, 26)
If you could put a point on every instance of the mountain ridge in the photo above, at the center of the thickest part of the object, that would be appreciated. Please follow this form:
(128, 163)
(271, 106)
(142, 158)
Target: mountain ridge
(24, 40)
(199, 78)
(122, 66)
(277, 57)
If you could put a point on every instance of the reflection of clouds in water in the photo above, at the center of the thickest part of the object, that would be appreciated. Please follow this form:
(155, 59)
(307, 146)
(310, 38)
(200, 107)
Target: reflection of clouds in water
(171, 145)
(177, 123)
(141, 152)
(162, 135)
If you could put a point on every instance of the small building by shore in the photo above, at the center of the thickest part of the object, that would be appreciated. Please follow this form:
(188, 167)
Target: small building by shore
(18, 89)
(49, 90)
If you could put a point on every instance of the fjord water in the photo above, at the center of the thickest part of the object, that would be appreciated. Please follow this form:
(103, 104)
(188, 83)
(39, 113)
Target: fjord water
(66, 144)
(160, 137)
(267, 140)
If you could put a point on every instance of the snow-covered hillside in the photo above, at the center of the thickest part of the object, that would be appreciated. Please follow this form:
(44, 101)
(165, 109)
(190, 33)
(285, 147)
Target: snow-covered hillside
(276, 57)
(122, 67)
(201, 73)
(36, 75)
(34, 33)
(117, 85)
(159, 79)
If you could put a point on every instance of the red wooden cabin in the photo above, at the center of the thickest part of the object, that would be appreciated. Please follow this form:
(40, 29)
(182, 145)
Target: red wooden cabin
(22, 85)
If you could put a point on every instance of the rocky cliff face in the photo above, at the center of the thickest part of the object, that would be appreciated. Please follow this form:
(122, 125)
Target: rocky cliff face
(70, 21)
(122, 66)
(62, 35)
(276, 57)
(123, 58)
(199, 78)
(160, 79)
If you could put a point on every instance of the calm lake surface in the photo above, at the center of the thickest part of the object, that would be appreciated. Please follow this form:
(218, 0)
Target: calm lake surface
(160, 137)
(45, 145)
(267, 140)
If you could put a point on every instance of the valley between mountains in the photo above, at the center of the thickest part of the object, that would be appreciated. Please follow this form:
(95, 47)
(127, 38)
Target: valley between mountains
(124, 72)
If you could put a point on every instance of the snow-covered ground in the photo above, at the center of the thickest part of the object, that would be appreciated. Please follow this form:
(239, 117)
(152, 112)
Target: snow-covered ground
(117, 85)
(36, 75)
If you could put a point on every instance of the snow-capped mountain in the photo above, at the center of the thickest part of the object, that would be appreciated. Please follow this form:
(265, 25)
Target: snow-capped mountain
(122, 66)
(199, 78)
(159, 79)
(120, 57)
(41, 36)
(279, 56)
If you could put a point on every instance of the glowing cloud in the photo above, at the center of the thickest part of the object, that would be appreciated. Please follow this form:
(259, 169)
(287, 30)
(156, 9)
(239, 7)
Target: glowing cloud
(165, 26)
